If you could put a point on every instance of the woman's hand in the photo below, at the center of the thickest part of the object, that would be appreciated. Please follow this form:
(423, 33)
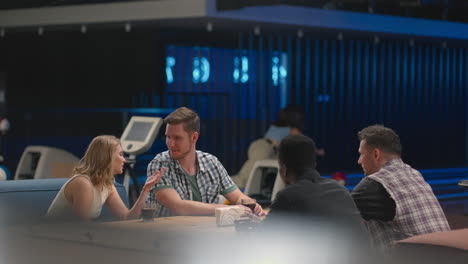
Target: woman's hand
(153, 179)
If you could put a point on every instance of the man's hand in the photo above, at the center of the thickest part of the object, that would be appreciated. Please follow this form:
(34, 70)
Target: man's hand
(258, 210)
(236, 197)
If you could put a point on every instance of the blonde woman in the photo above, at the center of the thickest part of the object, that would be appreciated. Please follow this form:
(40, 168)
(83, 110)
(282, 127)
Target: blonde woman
(92, 185)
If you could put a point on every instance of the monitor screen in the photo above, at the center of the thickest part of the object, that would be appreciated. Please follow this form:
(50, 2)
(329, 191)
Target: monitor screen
(139, 131)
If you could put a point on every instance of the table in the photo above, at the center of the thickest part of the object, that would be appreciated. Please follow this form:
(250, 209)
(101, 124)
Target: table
(160, 235)
(169, 240)
(134, 241)
(173, 223)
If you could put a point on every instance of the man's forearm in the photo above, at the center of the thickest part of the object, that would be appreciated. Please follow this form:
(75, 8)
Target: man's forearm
(236, 196)
(186, 207)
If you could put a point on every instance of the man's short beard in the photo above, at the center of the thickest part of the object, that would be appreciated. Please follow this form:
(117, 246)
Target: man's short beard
(183, 155)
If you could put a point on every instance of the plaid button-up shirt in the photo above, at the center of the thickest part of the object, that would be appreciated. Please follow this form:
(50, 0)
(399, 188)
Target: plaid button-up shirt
(212, 179)
(417, 209)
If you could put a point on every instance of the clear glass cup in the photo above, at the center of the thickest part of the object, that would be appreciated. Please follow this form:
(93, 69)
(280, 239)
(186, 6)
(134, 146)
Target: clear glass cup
(148, 211)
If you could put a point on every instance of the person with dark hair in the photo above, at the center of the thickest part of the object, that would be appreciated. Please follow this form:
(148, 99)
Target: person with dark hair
(193, 179)
(393, 198)
(307, 194)
(290, 121)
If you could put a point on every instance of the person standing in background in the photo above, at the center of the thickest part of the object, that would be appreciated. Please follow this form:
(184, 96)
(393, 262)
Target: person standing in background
(290, 121)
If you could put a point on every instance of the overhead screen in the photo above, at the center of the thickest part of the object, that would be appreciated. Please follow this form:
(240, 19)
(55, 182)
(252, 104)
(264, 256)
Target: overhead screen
(221, 70)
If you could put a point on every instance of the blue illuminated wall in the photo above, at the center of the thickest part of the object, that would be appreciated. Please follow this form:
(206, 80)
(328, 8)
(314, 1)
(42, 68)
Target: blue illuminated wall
(238, 82)
(419, 89)
(237, 93)
(216, 70)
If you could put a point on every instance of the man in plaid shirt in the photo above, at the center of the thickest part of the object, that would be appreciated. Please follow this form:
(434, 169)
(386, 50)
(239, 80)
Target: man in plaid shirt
(193, 179)
(394, 199)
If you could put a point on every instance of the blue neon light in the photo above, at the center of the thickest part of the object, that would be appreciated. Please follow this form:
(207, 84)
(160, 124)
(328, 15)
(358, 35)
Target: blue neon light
(201, 70)
(323, 98)
(170, 62)
(278, 71)
(241, 70)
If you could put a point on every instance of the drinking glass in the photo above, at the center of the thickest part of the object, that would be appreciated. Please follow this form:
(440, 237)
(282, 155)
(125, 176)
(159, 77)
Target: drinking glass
(250, 203)
(147, 213)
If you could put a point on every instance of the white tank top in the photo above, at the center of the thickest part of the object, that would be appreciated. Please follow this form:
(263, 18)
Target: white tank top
(61, 208)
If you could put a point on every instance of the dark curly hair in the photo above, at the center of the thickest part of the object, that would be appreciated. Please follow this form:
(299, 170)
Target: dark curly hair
(297, 153)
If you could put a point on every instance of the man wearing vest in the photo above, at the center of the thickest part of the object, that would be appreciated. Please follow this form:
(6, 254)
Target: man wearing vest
(394, 199)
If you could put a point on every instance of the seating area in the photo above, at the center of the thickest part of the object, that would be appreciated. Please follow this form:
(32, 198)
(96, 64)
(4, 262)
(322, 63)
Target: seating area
(200, 112)
(27, 201)
(264, 181)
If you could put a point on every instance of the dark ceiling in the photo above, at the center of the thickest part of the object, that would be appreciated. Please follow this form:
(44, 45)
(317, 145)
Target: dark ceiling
(449, 10)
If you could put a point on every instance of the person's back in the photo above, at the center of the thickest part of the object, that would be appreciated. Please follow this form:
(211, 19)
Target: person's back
(417, 209)
(315, 197)
(309, 198)
(393, 198)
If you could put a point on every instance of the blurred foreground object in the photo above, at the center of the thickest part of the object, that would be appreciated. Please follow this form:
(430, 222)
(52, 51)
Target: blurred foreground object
(339, 177)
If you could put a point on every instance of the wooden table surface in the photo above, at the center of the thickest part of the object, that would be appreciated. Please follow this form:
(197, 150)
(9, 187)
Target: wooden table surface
(162, 235)
(183, 223)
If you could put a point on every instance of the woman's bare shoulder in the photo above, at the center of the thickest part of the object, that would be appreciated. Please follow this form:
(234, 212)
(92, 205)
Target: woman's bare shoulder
(78, 185)
(79, 181)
